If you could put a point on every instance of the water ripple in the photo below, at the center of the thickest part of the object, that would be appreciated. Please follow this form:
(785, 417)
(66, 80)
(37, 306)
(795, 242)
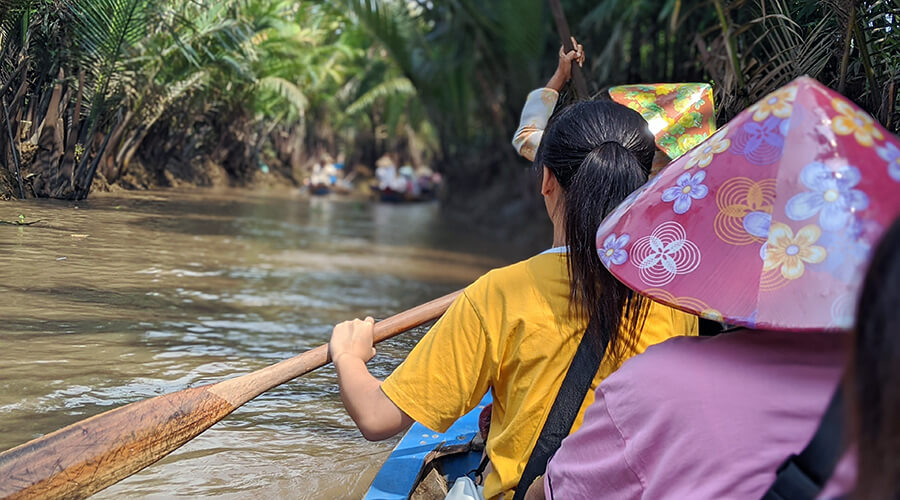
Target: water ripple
(177, 289)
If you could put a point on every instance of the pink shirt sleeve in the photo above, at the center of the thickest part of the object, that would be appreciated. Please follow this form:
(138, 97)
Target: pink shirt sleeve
(592, 460)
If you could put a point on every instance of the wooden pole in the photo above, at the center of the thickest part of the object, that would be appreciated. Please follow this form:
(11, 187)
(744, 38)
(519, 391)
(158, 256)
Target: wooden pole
(581, 90)
(87, 456)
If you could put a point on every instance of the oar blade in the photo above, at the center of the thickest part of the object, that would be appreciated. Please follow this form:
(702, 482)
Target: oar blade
(85, 457)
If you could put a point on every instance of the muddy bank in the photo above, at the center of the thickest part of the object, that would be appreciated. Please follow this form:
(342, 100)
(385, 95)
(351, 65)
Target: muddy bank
(198, 173)
(495, 195)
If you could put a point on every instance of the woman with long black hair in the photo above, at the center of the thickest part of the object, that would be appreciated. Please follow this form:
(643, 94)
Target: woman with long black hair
(516, 329)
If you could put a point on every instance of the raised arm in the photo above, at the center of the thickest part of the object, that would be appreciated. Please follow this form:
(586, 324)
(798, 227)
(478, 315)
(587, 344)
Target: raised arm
(540, 103)
(564, 67)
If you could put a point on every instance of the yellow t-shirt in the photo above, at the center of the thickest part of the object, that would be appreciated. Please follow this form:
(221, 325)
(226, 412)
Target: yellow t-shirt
(511, 332)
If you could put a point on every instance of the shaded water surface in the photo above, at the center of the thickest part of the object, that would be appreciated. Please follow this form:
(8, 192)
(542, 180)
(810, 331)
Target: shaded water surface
(124, 297)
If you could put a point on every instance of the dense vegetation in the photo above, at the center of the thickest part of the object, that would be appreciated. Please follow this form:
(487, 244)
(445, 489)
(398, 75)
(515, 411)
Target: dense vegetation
(91, 86)
(99, 89)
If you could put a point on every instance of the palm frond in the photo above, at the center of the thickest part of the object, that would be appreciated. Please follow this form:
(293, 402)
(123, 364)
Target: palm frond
(286, 90)
(394, 87)
(104, 30)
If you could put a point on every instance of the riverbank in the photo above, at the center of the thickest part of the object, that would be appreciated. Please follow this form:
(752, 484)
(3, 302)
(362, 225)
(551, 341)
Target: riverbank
(507, 204)
(198, 173)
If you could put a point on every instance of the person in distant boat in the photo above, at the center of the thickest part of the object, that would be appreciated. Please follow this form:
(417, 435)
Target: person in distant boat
(318, 178)
(515, 331)
(875, 380)
(540, 103)
(385, 172)
(408, 175)
(329, 170)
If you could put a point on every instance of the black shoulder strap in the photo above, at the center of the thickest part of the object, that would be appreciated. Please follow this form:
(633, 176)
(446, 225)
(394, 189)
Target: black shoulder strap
(575, 386)
(803, 476)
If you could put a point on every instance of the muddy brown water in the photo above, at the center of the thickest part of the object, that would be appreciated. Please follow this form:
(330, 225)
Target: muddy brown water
(123, 297)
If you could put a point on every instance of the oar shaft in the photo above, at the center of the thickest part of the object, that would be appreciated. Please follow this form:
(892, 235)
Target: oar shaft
(87, 456)
(581, 89)
(239, 390)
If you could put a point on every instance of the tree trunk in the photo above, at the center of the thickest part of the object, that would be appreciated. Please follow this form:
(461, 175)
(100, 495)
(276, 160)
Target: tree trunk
(67, 166)
(50, 147)
(108, 161)
(83, 185)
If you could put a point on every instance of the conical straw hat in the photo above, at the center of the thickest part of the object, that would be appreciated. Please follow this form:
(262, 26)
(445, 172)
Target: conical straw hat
(769, 222)
(680, 115)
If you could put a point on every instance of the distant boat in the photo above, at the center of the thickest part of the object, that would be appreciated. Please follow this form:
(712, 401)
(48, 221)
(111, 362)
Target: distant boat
(424, 459)
(389, 195)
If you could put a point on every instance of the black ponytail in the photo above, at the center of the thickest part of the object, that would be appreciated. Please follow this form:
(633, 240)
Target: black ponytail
(599, 152)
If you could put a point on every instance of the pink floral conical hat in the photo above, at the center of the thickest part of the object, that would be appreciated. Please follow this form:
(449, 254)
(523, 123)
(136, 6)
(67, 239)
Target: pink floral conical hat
(680, 115)
(769, 222)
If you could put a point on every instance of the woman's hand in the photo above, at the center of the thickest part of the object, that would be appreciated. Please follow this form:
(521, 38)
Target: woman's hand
(374, 413)
(354, 338)
(564, 68)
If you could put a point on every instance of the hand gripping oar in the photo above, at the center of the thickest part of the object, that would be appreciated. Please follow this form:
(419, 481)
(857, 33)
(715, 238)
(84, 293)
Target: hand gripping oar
(581, 90)
(87, 456)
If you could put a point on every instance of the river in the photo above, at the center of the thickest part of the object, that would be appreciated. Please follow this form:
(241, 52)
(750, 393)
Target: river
(127, 296)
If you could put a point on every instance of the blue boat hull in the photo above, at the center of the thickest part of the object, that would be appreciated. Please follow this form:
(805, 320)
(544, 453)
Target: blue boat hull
(454, 453)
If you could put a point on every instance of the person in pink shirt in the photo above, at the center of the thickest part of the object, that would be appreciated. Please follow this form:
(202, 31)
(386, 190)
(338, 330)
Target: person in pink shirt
(702, 418)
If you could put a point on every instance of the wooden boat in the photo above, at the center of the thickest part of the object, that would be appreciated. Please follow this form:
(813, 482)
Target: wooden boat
(319, 189)
(424, 463)
(388, 195)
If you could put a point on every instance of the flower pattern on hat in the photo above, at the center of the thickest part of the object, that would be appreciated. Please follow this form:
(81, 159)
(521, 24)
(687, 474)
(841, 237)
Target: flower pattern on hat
(664, 254)
(845, 253)
(789, 252)
(854, 121)
(687, 188)
(761, 142)
(831, 195)
(757, 224)
(612, 251)
(737, 197)
(778, 104)
(891, 154)
(843, 311)
(702, 155)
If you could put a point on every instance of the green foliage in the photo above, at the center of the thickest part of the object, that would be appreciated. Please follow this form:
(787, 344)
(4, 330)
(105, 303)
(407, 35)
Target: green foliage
(280, 82)
(231, 80)
(400, 86)
(774, 41)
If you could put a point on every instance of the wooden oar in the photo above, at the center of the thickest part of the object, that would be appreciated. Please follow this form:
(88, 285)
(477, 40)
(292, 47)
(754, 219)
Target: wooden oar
(581, 90)
(87, 456)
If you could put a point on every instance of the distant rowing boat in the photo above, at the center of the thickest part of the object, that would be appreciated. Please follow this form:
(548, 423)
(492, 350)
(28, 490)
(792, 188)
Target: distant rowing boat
(424, 459)
(389, 195)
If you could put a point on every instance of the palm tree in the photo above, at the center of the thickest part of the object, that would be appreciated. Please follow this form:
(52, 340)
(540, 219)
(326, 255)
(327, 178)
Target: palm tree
(91, 86)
